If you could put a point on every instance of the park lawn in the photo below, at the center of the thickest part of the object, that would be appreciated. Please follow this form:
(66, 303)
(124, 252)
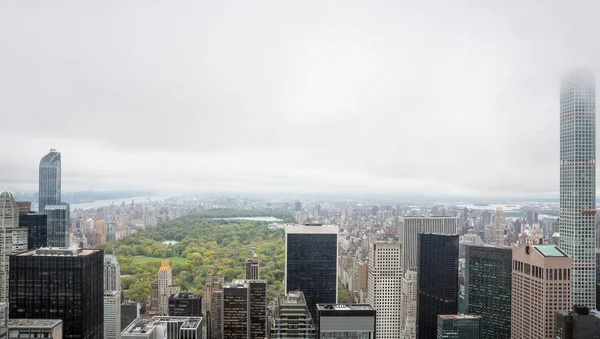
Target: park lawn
(144, 260)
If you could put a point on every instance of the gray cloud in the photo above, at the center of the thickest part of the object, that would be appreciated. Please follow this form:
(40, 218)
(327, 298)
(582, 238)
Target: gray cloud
(400, 97)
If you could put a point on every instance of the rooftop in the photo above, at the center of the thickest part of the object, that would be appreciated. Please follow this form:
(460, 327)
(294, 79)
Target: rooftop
(51, 157)
(243, 283)
(186, 296)
(311, 229)
(57, 252)
(345, 307)
(549, 250)
(109, 293)
(110, 259)
(459, 316)
(293, 297)
(140, 325)
(164, 265)
(41, 323)
(7, 195)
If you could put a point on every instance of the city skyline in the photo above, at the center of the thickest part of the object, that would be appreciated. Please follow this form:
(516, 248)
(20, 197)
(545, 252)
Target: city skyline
(312, 106)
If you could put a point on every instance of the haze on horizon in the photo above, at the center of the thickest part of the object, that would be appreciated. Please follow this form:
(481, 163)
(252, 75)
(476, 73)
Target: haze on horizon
(390, 97)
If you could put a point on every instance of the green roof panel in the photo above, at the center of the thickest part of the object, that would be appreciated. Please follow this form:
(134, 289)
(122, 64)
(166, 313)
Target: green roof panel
(549, 250)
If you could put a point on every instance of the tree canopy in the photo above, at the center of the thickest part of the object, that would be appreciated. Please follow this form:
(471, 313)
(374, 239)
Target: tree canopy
(220, 245)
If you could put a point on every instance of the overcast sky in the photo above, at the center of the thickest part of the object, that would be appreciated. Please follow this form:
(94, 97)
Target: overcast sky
(401, 97)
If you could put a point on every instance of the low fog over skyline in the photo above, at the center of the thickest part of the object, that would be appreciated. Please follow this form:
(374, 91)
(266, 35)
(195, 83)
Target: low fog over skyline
(391, 97)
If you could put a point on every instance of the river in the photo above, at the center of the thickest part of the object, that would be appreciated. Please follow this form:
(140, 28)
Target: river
(108, 202)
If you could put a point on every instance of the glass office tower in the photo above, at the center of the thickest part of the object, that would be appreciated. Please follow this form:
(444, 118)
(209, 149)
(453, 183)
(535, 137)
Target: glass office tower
(49, 190)
(311, 263)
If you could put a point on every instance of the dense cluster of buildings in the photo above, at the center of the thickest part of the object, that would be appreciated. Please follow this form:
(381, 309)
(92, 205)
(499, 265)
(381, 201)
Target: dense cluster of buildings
(412, 271)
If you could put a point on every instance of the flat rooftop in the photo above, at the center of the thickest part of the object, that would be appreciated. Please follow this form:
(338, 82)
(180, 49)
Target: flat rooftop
(345, 307)
(186, 296)
(243, 283)
(293, 297)
(111, 293)
(39, 323)
(549, 250)
(311, 229)
(192, 324)
(459, 316)
(57, 252)
(140, 325)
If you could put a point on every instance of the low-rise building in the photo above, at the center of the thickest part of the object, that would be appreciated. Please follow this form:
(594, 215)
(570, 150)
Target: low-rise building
(35, 328)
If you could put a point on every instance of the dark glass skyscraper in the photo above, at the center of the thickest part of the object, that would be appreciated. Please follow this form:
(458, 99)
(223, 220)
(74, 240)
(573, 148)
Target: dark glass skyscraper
(50, 177)
(37, 232)
(185, 305)
(311, 263)
(488, 275)
(437, 281)
(252, 268)
(61, 284)
(244, 311)
(452, 326)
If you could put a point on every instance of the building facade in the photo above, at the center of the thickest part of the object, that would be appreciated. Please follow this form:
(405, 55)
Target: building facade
(452, 326)
(244, 310)
(162, 327)
(541, 286)
(384, 286)
(212, 304)
(50, 180)
(311, 262)
(581, 323)
(58, 223)
(437, 281)
(130, 311)
(64, 284)
(408, 308)
(216, 315)
(165, 287)
(346, 321)
(578, 181)
(34, 328)
(252, 268)
(112, 314)
(410, 227)
(185, 305)
(13, 239)
(37, 229)
(498, 235)
(112, 273)
(488, 288)
(291, 318)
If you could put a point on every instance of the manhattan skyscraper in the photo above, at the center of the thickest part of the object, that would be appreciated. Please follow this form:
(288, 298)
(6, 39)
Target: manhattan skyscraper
(578, 181)
(49, 193)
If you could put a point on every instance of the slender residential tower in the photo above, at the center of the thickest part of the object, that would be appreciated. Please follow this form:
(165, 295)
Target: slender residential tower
(578, 181)
(49, 180)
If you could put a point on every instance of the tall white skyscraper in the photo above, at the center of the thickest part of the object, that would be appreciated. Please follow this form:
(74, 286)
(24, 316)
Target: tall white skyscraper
(165, 287)
(410, 227)
(578, 181)
(408, 313)
(498, 230)
(384, 285)
(112, 314)
(112, 273)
